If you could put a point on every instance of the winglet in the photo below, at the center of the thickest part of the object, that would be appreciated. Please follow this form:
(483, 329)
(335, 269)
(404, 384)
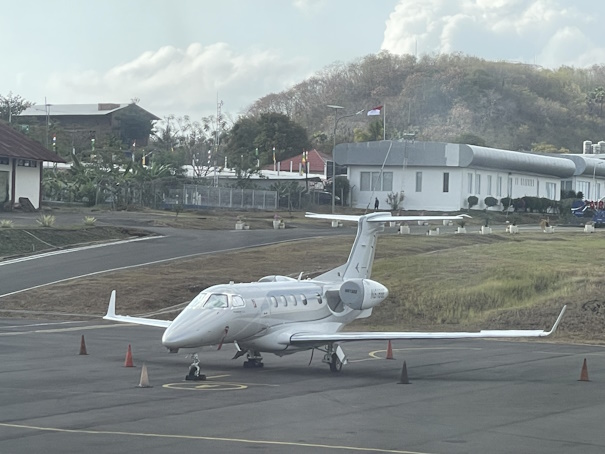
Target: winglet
(556, 325)
(111, 309)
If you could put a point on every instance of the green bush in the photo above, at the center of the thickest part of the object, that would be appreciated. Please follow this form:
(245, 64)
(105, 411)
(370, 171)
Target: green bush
(472, 201)
(491, 201)
(46, 220)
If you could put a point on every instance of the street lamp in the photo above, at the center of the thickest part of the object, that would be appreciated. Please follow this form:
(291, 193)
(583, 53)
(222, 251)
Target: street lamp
(336, 120)
(594, 181)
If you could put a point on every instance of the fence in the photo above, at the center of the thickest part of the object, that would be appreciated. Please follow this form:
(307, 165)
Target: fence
(195, 196)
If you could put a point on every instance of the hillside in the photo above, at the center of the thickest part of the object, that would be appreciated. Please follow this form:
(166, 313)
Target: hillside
(453, 98)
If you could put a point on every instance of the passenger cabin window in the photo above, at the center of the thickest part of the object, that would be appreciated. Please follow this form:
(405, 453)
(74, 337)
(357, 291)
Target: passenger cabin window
(291, 299)
(273, 301)
(282, 299)
(304, 299)
(319, 300)
(237, 301)
(217, 301)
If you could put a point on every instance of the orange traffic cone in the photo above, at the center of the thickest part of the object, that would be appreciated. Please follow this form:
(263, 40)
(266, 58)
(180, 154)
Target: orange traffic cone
(584, 373)
(128, 361)
(404, 375)
(83, 346)
(144, 382)
(390, 351)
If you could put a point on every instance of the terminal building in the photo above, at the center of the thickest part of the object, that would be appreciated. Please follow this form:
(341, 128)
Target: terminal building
(437, 176)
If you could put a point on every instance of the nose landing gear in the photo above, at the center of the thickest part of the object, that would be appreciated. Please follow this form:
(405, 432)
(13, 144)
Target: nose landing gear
(194, 370)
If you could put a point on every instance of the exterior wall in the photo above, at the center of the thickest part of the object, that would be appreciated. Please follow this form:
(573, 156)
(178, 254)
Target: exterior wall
(27, 184)
(463, 182)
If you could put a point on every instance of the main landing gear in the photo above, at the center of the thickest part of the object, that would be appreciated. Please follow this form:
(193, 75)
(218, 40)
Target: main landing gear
(194, 370)
(254, 360)
(334, 357)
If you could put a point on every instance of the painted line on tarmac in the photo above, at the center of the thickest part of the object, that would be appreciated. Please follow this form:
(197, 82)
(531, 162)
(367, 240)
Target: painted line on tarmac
(76, 249)
(63, 330)
(155, 262)
(39, 324)
(248, 441)
(210, 385)
(374, 355)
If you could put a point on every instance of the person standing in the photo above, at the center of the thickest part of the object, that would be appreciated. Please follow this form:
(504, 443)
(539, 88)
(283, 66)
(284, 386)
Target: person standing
(376, 204)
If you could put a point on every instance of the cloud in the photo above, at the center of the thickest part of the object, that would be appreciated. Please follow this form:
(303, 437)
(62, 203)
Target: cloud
(548, 32)
(178, 81)
(309, 6)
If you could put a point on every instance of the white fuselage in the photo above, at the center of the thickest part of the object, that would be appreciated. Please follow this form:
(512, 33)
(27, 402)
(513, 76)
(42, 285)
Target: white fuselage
(259, 316)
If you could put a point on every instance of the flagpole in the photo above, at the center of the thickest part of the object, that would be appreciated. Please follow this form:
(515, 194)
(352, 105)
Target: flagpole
(384, 121)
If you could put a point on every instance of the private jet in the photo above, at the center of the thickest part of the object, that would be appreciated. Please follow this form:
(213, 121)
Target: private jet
(283, 315)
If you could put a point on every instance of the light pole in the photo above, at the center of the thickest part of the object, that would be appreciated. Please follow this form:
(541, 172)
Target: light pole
(594, 181)
(336, 120)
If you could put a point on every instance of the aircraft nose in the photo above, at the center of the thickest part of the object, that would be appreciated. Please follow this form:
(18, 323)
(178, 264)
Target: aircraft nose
(194, 330)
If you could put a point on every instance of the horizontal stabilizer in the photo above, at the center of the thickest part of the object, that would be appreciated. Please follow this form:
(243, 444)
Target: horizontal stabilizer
(385, 217)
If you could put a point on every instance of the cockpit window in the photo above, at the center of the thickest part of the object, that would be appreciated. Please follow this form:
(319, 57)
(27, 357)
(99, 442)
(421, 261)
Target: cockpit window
(237, 301)
(217, 300)
(198, 301)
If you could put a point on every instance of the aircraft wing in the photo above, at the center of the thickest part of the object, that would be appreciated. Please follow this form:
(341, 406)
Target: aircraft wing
(111, 315)
(348, 336)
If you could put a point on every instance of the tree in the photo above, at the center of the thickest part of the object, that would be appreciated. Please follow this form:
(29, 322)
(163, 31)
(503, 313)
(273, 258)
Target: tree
(264, 133)
(374, 132)
(470, 139)
(11, 105)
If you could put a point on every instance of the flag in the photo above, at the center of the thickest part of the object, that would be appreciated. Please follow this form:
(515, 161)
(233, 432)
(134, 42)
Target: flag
(375, 111)
(273, 155)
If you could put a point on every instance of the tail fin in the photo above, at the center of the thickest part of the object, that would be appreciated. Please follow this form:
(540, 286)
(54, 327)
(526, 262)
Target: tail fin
(361, 258)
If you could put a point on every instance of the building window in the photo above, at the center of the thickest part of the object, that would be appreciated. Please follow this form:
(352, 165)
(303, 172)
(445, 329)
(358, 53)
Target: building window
(510, 187)
(364, 183)
(499, 187)
(4, 161)
(584, 188)
(489, 185)
(477, 184)
(418, 181)
(387, 181)
(372, 181)
(470, 183)
(446, 182)
(551, 190)
(27, 163)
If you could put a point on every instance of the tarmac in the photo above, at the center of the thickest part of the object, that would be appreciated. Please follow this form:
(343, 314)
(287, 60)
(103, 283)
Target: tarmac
(466, 396)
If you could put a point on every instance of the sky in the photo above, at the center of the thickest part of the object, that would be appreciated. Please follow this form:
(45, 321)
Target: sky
(183, 57)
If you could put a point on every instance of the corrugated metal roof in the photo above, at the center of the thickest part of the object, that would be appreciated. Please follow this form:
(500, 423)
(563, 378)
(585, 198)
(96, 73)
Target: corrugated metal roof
(317, 162)
(58, 110)
(14, 144)
(437, 154)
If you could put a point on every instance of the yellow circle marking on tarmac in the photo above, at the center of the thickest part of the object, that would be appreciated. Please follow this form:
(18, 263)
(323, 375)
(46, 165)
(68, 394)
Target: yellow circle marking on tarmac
(375, 354)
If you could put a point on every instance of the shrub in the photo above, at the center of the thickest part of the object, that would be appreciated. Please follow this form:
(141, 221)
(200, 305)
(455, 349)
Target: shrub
(491, 201)
(90, 220)
(6, 224)
(394, 199)
(472, 201)
(46, 220)
(506, 202)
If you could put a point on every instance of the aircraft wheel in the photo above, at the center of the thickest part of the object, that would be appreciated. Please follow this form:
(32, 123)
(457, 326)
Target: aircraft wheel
(335, 364)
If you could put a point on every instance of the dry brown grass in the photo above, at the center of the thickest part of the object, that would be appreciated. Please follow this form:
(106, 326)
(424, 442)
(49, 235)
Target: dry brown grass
(450, 282)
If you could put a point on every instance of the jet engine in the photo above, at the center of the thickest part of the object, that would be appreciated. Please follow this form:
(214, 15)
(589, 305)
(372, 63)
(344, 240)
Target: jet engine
(361, 294)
